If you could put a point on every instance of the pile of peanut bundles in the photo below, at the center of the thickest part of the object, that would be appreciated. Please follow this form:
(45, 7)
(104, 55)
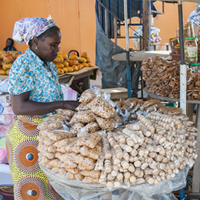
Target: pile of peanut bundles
(95, 145)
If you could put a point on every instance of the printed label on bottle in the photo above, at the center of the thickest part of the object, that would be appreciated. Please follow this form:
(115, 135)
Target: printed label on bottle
(190, 52)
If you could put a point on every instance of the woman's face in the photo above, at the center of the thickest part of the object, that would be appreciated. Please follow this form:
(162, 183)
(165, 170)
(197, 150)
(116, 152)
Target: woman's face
(47, 48)
(8, 43)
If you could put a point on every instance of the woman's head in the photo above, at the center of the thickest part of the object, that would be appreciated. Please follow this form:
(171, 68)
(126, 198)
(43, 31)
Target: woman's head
(9, 42)
(42, 35)
(46, 45)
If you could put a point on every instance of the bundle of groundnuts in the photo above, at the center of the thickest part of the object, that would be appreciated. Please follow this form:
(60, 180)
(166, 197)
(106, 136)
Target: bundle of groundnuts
(91, 145)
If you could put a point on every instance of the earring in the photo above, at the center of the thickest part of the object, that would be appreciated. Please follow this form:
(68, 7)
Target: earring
(36, 47)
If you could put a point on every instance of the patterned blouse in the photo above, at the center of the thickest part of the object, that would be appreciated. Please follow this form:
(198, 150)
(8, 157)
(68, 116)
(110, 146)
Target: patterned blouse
(29, 74)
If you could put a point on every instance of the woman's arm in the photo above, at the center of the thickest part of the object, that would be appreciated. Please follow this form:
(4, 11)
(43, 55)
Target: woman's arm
(21, 105)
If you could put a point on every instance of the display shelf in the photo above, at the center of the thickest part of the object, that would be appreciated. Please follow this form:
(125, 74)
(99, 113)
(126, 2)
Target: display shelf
(154, 96)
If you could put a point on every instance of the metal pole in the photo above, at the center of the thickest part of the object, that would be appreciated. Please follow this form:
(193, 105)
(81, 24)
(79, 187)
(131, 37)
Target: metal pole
(183, 66)
(128, 69)
(106, 22)
(146, 25)
(115, 30)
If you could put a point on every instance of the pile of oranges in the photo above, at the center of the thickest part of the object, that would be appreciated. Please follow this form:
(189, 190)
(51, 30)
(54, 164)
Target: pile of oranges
(62, 62)
(71, 64)
(6, 61)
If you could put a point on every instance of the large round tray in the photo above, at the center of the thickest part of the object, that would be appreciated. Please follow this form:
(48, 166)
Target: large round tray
(77, 190)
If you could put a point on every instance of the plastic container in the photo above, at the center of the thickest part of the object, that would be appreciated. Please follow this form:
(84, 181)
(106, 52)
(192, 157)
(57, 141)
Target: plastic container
(186, 32)
(191, 51)
(190, 27)
(177, 48)
(195, 67)
(173, 42)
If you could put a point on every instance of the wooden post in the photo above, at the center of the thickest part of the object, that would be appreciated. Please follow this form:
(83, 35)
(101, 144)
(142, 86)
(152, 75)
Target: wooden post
(146, 25)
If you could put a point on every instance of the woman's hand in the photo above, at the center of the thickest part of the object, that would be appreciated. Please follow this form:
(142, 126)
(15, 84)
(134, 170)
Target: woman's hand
(71, 105)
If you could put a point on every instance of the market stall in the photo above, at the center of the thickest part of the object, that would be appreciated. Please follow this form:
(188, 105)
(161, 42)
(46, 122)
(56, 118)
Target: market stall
(183, 67)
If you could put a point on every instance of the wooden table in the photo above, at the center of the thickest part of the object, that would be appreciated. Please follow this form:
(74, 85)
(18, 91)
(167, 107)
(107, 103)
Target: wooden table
(84, 74)
(3, 77)
(196, 170)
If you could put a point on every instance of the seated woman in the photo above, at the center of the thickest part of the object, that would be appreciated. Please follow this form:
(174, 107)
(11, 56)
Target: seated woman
(9, 45)
(35, 92)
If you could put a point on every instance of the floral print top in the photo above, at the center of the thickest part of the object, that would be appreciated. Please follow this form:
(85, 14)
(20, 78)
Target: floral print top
(29, 74)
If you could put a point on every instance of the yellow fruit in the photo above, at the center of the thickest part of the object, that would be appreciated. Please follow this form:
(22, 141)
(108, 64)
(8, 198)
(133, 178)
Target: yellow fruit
(75, 67)
(59, 59)
(1, 53)
(70, 69)
(2, 72)
(80, 66)
(65, 63)
(8, 58)
(65, 69)
(64, 56)
(59, 65)
(73, 53)
(85, 64)
(60, 71)
(84, 55)
(73, 57)
(90, 65)
(73, 62)
(82, 60)
(6, 66)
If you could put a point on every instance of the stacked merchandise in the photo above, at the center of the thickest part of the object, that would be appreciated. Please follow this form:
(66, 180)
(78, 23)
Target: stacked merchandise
(191, 44)
(155, 38)
(163, 78)
(73, 63)
(62, 62)
(93, 145)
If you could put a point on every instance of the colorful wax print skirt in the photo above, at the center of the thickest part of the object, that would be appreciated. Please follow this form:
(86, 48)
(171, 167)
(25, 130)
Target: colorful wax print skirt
(30, 183)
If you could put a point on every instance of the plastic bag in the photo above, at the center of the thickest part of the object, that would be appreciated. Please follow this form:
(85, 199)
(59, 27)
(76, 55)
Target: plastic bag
(4, 85)
(77, 190)
(5, 99)
(6, 119)
(68, 93)
(3, 152)
(3, 129)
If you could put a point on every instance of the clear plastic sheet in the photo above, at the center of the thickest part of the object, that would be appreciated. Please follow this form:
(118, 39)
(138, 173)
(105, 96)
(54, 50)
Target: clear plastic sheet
(77, 190)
